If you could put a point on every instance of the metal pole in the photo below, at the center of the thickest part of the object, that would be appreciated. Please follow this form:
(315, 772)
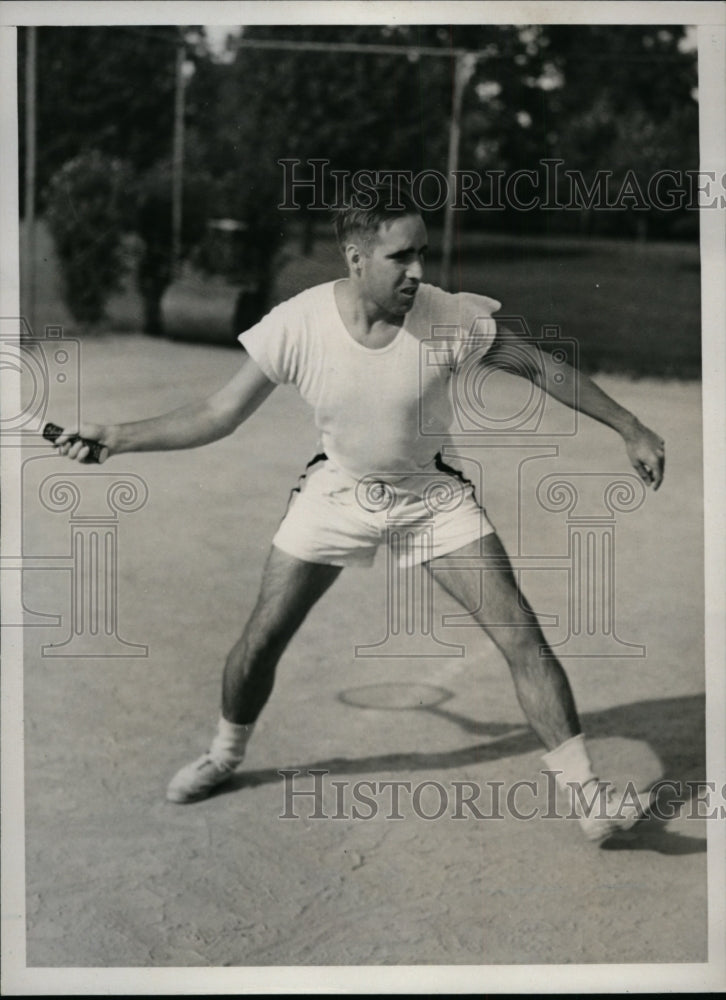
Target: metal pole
(349, 47)
(177, 177)
(463, 69)
(28, 268)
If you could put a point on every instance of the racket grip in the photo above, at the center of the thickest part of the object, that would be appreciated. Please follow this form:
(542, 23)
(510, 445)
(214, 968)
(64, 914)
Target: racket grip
(51, 432)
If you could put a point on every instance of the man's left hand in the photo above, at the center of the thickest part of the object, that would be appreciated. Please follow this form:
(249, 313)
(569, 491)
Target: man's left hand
(646, 451)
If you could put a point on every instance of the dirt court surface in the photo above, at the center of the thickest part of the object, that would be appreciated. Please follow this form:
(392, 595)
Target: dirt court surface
(118, 877)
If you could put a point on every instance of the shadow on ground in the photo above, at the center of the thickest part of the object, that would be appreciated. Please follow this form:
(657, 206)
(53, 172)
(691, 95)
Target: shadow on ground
(664, 724)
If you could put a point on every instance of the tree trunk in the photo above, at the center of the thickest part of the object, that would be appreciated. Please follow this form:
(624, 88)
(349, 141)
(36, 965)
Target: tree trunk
(153, 278)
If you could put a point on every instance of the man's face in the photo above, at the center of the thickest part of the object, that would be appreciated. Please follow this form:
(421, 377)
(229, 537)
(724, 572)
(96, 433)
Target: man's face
(392, 267)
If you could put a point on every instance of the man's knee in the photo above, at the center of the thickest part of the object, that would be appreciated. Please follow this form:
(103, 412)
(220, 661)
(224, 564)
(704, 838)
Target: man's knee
(507, 618)
(268, 627)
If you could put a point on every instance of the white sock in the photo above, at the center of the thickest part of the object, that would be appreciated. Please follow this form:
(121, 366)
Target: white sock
(573, 762)
(230, 741)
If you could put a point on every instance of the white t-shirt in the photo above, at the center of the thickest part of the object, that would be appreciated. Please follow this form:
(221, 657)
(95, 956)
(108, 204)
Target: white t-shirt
(377, 410)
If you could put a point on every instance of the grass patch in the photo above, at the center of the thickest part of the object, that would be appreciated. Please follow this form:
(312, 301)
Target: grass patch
(633, 308)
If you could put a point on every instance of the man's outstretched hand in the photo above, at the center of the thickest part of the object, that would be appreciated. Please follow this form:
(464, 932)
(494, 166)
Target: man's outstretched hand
(646, 451)
(85, 444)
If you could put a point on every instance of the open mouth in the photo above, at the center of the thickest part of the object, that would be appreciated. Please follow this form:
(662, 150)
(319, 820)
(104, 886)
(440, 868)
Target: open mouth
(409, 291)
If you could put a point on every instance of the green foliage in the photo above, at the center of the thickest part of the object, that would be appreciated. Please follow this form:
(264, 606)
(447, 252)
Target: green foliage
(598, 97)
(622, 100)
(631, 307)
(362, 111)
(87, 214)
(104, 88)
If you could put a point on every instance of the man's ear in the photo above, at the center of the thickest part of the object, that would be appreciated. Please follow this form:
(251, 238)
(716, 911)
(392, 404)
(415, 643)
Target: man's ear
(353, 255)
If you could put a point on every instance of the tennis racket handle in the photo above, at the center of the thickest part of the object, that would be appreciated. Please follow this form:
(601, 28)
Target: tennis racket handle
(51, 432)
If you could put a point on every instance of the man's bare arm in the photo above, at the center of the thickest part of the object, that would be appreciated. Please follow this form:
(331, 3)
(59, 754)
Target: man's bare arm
(645, 448)
(187, 427)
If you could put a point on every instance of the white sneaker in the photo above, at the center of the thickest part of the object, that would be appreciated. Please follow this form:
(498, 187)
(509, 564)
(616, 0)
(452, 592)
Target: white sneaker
(604, 813)
(198, 779)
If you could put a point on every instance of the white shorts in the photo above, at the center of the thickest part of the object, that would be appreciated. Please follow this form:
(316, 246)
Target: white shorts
(336, 519)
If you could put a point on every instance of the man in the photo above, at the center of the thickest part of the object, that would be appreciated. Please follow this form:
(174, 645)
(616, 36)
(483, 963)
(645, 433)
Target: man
(352, 348)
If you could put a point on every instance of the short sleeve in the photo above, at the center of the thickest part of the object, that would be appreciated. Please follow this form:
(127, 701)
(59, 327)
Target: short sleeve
(273, 344)
(477, 326)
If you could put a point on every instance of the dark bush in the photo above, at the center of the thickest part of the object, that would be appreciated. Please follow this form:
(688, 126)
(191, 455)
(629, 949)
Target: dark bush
(87, 211)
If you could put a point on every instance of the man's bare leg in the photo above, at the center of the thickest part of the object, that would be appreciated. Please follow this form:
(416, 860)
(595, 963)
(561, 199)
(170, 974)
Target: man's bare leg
(290, 587)
(541, 684)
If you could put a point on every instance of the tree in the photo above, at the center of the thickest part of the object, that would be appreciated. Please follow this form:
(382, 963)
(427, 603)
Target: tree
(111, 90)
(370, 111)
(595, 96)
(105, 88)
(367, 110)
(87, 213)
(625, 102)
